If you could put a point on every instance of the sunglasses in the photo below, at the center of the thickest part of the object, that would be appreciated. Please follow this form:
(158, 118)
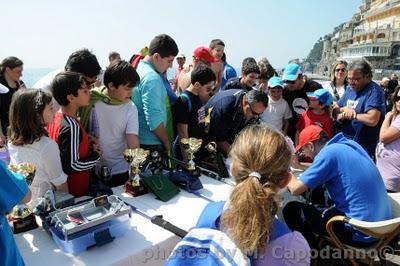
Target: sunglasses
(340, 70)
(289, 81)
(254, 112)
(90, 82)
(396, 98)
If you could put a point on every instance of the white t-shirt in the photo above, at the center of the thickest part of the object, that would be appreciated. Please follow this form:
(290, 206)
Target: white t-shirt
(114, 122)
(340, 90)
(45, 155)
(276, 112)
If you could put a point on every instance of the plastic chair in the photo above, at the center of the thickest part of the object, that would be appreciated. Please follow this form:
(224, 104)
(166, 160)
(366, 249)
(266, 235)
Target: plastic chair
(384, 231)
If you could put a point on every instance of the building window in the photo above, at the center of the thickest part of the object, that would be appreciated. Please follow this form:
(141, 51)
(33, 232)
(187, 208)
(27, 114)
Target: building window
(381, 36)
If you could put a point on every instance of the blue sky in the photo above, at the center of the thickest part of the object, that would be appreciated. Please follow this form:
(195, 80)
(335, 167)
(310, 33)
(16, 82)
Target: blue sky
(44, 32)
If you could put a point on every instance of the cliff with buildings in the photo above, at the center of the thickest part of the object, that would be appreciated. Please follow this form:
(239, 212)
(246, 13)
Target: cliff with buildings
(372, 33)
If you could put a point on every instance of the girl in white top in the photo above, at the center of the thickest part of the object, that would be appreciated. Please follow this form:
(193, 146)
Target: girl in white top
(338, 82)
(30, 112)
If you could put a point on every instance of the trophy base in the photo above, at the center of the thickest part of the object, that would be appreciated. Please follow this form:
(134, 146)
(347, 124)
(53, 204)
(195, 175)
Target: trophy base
(135, 191)
(196, 172)
(22, 225)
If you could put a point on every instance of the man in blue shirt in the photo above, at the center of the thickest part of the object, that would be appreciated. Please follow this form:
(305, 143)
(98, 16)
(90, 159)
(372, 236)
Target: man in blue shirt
(230, 111)
(362, 107)
(228, 73)
(150, 96)
(352, 180)
(13, 190)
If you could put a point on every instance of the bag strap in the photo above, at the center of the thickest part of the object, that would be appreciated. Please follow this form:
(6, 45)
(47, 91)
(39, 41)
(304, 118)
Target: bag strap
(185, 96)
(210, 215)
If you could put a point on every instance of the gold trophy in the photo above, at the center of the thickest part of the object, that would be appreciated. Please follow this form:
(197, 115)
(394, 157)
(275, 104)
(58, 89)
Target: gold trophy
(191, 145)
(21, 217)
(135, 158)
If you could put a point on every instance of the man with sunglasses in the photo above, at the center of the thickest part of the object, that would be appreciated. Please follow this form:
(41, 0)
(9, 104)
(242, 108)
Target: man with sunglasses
(228, 112)
(295, 93)
(83, 62)
(362, 107)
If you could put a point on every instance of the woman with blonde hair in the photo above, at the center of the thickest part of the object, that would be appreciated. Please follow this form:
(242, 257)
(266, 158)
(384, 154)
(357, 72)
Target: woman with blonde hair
(260, 166)
(338, 82)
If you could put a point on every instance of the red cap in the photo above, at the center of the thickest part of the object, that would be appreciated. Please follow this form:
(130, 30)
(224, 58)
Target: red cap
(309, 134)
(203, 53)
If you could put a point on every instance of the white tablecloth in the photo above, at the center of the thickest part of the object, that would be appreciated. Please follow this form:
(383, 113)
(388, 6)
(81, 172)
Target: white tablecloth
(144, 244)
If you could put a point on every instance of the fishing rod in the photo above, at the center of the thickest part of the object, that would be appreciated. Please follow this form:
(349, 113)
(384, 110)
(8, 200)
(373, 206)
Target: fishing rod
(158, 220)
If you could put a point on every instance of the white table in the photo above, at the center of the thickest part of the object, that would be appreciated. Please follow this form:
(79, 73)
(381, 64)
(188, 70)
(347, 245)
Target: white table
(144, 244)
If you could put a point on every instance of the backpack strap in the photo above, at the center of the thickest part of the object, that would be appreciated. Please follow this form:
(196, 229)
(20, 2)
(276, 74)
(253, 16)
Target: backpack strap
(185, 96)
(209, 218)
(135, 59)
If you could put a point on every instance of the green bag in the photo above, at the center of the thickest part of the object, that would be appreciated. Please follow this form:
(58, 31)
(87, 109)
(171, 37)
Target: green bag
(160, 185)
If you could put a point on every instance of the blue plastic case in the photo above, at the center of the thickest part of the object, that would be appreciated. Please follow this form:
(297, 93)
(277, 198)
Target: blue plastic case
(94, 236)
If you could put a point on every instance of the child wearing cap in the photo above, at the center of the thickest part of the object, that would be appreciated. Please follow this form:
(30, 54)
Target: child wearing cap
(317, 113)
(278, 112)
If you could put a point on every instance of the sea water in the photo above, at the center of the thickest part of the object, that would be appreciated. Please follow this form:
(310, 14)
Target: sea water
(31, 75)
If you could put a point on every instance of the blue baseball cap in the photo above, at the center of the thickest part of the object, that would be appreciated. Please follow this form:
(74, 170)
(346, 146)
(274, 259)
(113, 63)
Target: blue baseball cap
(323, 96)
(275, 82)
(291, 72)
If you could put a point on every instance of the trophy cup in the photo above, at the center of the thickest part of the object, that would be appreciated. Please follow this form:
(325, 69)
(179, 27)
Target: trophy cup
(191, 145)
(135, 158)
(21, 217)
(217, 160)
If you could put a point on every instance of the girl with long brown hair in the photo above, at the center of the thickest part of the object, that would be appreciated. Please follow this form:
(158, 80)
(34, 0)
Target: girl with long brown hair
(260, 166)
(30, 112)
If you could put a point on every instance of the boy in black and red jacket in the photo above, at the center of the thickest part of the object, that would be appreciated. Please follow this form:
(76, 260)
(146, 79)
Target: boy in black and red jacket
(78, 156)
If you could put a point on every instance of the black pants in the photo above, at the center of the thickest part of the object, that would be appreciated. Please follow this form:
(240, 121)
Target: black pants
(311, 222)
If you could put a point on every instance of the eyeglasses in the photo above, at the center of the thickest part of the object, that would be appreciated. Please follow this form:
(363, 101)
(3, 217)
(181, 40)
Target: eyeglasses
(289, 81)
(355, 80)
(90, 82)
(254, 112)
(340, 70)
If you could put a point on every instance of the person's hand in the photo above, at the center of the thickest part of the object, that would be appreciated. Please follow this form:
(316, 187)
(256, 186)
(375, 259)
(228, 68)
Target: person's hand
(339, 117)
(3, 140)
(96, 148)
(167, 146)
(348, 113)
(93, 140)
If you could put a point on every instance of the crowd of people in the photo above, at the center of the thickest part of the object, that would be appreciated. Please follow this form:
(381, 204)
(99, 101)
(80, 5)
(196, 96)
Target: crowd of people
(79, 119)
